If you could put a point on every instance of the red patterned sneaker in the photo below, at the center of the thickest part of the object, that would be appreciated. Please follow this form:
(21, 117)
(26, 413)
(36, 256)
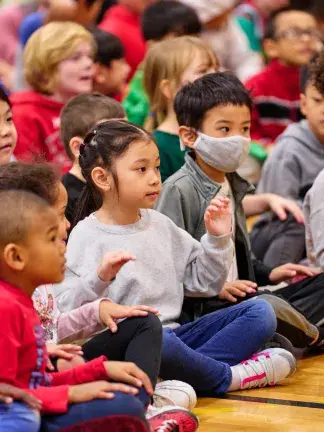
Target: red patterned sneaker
(171, 419)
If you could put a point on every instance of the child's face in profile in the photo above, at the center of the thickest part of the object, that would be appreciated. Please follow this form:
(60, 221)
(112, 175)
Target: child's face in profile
(296, 40)
(75, 73)
(8, 133)
(312, 106)
(60, 207)
(111, 80)
(226, 121)
(43, 250)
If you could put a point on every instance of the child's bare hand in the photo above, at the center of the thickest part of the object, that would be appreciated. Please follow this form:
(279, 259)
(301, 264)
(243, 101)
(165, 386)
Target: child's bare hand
(218, 218)
(110, 312)
(238, 288)
(280, 206)
(98, 390)
(111, 263)
(128, 373)
(66, 352)
(9, 393)
(288, 271)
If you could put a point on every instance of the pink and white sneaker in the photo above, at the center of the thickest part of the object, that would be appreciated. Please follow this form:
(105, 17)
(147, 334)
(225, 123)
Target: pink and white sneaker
(171, 419)
(267, 367)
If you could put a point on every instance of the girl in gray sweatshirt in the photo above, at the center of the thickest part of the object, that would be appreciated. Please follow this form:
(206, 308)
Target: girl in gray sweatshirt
(120, 162)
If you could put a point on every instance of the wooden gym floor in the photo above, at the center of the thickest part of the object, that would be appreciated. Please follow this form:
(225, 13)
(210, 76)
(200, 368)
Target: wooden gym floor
(295, 406)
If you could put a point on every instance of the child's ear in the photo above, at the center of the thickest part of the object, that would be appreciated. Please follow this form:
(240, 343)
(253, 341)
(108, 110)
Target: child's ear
(15, 257)
(187, 136)
(166, 89)
(270, 48)
(303, 105)
(102, 179)
(74, 145)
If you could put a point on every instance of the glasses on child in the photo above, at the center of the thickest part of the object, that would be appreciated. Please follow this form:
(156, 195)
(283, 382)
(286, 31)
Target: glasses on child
(294, 34)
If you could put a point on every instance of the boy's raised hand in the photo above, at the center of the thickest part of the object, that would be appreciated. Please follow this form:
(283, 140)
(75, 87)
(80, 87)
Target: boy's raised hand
(289, 271)
(9, 393)
(128, 373)
(98, 390)
(218, 218)
(109, 312)
(238, 288)
(111, 263)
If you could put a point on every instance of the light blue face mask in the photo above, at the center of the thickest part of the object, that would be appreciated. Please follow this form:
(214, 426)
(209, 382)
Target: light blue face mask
(224, 154)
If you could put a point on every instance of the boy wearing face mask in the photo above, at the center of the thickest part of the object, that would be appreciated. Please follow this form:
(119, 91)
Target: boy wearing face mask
(214, 114)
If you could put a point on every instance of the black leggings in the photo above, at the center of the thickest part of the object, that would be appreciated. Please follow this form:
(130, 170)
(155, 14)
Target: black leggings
(138, 340)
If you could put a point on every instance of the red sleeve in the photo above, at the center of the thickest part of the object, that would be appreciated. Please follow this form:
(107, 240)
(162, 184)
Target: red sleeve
(85, 373)
(54, 400)
(30, 139)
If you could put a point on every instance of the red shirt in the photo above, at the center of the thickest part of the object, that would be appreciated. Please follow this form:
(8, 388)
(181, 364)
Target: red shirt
(276, 97)
(23, 354)
(37, 119)
(127, 26)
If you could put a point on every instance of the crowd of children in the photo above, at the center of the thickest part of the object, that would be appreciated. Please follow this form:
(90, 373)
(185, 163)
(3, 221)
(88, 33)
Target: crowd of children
(136, 137)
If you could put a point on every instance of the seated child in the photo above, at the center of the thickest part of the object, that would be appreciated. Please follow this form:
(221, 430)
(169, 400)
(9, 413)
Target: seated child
(31, 254)
(113, 215)
(214, 117)
(225, 36)
(291, 39)
(124, 21)
(78, 116)
(168, 65)
(314, 212)
(178, 20)
(141, 328)
(290, 171)
(58, 62)
(110, 68)
(8, 132)
(258, 13)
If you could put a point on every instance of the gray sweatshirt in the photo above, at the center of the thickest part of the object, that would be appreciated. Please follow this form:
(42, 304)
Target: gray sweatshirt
(169, 264)
(295, 162)
(314, 217)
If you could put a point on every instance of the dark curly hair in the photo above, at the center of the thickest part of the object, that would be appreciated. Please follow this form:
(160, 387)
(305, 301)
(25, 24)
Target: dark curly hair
(318, 73)
(40, 179)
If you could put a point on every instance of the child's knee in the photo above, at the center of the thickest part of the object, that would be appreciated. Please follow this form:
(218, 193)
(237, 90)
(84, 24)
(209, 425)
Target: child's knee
(154, 323)
(64, 365)
(267, 320)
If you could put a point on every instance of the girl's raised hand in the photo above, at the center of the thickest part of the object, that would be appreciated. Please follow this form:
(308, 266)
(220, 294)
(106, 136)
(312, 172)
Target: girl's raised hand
(218, 218)
(111, 263)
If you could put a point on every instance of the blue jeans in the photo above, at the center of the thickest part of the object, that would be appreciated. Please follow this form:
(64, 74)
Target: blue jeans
(201, 353)
(124, 412)
(17, 417)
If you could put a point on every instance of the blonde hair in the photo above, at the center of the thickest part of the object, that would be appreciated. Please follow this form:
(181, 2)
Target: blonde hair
(168, 60)
(46, 48)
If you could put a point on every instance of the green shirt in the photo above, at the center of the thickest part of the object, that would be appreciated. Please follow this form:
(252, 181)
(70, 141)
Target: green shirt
(171, 155)
(136, 103)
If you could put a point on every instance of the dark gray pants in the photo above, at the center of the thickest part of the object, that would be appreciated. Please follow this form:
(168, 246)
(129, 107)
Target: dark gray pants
(276, 243)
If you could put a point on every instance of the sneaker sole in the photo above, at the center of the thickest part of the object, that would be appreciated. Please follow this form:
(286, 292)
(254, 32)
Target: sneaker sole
(191, 424)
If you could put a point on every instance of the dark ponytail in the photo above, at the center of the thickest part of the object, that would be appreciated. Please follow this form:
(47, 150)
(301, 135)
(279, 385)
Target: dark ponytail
(101, 147)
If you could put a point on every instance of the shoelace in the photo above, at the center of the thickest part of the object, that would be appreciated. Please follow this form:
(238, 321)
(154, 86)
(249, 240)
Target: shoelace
(164, 398)
(168, 426)
(254, 363)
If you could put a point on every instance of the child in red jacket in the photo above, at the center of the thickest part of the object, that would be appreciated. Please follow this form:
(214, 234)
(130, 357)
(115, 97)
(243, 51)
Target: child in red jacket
(124, 21)
(31, 254)
(290, 42)
(58, 64)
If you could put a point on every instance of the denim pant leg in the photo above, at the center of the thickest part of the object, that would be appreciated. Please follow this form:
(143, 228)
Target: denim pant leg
(202, 352)
(123, 413)
(17, 417)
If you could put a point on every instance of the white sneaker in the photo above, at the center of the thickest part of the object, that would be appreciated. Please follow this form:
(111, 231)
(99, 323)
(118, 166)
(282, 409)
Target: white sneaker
(267, 367)
(174, 393)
